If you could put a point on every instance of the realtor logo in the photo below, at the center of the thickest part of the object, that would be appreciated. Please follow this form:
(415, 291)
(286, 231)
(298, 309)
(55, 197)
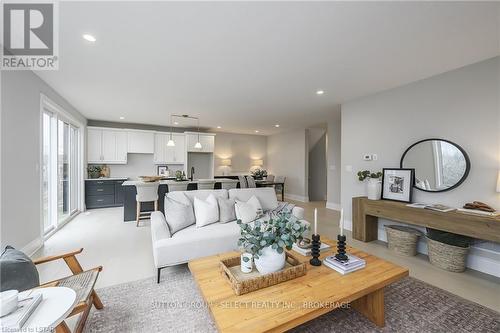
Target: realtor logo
(29, 36)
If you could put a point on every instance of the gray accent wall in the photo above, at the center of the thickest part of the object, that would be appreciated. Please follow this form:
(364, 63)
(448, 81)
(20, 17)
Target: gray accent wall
(20, 152)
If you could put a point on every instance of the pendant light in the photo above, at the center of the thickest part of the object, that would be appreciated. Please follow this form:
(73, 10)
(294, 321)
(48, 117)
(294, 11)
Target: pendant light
(198, 144)
(171, 142)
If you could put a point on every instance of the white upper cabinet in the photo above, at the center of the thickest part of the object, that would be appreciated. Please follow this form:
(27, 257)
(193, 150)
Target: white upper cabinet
(169, 155)
(106, 146)
(207, 142)
(94, 145)
(141, 142)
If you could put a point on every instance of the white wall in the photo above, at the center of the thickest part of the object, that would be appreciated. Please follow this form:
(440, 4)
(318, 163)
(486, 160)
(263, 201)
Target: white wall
(20, 149)
(242, 150)
(334, 159)
(461, 106)
(287, 155)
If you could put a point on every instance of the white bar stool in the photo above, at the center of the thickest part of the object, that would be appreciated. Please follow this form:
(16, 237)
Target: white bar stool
(146, 192)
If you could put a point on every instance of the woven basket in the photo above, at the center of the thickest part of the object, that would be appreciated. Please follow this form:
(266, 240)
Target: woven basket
(402, 240)
(448, 257)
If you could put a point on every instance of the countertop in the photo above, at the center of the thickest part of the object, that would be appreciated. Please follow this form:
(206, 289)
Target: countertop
(194, 181)
(107, 178)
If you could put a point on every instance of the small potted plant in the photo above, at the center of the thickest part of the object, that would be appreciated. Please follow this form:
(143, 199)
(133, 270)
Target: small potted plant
(259, 174)
(266, 240)
(373, 185)
(94, 171)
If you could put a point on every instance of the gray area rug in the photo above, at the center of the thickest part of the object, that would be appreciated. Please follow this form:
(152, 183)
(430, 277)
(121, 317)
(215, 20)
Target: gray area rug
(175, 305)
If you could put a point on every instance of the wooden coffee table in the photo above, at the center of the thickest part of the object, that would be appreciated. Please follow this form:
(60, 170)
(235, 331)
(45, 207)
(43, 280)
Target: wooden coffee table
(289, 304)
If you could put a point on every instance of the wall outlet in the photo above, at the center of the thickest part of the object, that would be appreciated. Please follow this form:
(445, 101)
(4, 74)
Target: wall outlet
(367, 157)
(374, 157)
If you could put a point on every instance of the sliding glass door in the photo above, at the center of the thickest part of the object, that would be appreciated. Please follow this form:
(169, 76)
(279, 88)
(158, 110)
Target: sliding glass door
(60, 174)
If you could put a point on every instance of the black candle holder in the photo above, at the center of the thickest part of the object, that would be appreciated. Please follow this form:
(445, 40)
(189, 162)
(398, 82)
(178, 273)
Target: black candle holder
(341, 256)
(315, 251)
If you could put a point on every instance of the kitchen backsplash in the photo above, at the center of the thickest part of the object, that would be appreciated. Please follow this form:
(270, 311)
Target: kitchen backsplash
(138, 165)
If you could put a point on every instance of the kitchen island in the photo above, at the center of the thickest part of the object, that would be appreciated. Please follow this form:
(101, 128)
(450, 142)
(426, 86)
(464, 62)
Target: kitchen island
(165, 186)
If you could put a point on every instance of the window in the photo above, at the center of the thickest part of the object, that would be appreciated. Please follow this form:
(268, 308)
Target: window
(61, 172)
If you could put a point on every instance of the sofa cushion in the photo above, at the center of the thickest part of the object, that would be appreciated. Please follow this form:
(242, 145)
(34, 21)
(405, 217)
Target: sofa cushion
(206, 211)
(266, 196)
(17, 271)
(192, 242)
(248, 211)
(179, 213)
(200, 194)
(226, 210)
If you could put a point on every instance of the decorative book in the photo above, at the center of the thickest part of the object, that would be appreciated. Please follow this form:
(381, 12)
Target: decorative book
(344, 267)
(25, 308)
(436, 207)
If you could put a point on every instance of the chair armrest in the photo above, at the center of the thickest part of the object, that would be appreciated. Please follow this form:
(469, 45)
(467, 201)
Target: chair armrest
(61, 256)
(298, 212)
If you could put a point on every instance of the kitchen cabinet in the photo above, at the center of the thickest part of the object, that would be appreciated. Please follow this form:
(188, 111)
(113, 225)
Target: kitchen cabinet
(164, 154)
(106, 146)
(207, 142)
(141, 142)
(100, 193)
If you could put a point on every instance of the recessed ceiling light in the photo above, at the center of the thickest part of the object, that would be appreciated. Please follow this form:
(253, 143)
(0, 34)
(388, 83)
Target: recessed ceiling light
(256, 131)
(320, 92)
(89, 38)
(219, 127)
(176, 123)
(277, 125)
(121, 118)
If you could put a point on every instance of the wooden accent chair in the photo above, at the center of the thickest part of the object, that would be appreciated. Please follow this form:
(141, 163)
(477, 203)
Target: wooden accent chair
(82, 282)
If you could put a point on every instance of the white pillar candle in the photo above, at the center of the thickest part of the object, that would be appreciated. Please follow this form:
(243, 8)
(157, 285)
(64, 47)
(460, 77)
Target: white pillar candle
(341, 222)
(315, 221)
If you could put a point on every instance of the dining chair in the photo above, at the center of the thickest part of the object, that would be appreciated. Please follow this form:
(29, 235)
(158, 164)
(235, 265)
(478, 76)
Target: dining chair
(281, 186)
(251, 182)
(146, 192)
(243, 182)
(270, 178)
(206, 185)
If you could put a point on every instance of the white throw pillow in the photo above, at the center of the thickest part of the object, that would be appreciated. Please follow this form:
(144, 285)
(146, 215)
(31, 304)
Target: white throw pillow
(248, 211)
(206, 212)
(179, 215)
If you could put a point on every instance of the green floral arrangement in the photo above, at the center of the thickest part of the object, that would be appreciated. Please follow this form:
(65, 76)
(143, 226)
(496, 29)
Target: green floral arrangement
(362, 175)
(279, 232)
(94, 171)
(259, 173)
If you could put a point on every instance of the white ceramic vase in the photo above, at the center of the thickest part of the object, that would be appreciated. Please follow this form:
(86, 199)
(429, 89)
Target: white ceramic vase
(246, 265)
(270, 261)
(374, 189)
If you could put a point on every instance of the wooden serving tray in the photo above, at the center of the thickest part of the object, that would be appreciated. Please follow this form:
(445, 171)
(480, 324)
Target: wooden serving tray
(244, 283)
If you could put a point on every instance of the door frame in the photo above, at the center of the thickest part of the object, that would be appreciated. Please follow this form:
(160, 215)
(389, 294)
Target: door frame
(48, 104)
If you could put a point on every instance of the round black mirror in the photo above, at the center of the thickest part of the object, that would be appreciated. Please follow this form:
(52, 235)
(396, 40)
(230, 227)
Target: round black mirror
(440, 165)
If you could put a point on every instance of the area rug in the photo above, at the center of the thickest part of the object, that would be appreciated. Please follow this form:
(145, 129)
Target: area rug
(175, 305)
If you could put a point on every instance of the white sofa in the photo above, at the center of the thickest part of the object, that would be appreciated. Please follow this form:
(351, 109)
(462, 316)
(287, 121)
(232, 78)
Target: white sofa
(193, 242)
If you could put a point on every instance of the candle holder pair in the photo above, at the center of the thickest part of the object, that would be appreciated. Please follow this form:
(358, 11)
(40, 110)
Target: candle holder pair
(316, 245)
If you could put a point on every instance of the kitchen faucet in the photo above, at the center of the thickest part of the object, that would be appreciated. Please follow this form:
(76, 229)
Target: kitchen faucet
(192, 173)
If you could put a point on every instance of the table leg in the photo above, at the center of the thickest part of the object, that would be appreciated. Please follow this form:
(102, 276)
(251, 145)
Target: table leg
(372, 307)
(283, 192)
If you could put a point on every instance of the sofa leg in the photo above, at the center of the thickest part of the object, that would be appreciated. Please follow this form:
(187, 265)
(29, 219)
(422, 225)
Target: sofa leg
(158, 278)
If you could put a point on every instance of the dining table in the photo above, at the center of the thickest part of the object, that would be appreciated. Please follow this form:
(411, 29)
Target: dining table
(279, 185)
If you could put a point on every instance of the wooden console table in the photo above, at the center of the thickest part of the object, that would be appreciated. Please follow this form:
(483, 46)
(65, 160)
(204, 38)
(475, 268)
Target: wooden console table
(365, 214)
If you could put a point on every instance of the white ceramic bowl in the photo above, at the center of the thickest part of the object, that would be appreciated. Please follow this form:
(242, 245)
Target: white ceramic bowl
(8, 301)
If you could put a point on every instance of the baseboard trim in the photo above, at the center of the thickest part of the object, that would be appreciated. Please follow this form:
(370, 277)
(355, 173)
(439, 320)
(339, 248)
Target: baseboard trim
(333, 205)
(32, 247)
(295, 197)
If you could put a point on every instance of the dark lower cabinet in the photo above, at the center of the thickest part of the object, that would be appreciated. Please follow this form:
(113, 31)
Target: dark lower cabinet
(103, 193)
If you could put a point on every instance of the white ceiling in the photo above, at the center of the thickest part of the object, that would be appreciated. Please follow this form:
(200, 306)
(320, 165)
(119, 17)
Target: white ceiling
(247, 66)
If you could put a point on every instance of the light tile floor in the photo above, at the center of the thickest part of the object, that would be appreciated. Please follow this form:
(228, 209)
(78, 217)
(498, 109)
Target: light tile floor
(125, 253)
